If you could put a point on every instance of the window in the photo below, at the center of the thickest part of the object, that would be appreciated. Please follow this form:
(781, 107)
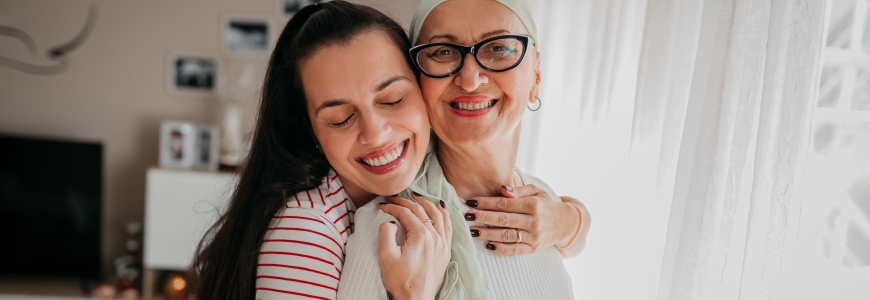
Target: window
(835, 222)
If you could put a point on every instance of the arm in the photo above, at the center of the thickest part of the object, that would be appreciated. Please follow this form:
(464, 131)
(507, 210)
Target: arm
(575, 247)
(301, 257)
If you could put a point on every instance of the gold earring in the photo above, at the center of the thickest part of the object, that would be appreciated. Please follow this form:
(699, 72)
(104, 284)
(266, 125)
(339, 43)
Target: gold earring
(539, 105)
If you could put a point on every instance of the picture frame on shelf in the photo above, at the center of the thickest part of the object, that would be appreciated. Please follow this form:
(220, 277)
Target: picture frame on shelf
(187, 145)
(246, 35)
(207, 152)
(192, 73)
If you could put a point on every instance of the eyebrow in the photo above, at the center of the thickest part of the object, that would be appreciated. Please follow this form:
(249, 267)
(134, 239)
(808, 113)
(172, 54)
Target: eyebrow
(330, 103)
(339, 102)
(452, 38)
(389, 81)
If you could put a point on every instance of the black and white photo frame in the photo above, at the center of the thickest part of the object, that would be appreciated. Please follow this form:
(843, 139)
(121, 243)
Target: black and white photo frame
(187, 145)
(287, 8)
(247, 35)
(192, 73)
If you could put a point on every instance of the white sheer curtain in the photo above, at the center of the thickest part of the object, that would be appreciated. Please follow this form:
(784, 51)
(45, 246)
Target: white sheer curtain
(736, 197)
(580, 142)
(684, 125)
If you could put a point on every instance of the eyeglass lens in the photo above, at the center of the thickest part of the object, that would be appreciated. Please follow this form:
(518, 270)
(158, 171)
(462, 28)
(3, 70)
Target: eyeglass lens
(496, 55)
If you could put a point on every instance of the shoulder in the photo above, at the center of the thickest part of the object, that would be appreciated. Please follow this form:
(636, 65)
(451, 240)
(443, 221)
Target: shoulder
(302, 255)
(329, 200)
(530, 179)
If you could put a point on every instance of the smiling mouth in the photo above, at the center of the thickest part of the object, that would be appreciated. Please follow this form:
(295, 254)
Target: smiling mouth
(385, 158)
(472, 106)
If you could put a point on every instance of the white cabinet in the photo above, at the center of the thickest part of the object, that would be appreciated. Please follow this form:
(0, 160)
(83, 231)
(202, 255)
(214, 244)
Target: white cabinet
(180, 205)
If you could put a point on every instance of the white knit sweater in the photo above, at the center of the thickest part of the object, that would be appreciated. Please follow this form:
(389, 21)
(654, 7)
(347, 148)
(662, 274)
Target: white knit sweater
(540, 275)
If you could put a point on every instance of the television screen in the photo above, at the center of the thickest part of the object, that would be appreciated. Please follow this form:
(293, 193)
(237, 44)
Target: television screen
(50, 204)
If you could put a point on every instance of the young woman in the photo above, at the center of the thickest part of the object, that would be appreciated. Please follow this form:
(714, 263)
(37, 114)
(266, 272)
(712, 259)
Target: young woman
(341, 121)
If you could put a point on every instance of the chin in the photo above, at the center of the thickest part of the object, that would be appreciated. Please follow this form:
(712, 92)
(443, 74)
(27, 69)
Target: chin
(471, 138)
(387, 191)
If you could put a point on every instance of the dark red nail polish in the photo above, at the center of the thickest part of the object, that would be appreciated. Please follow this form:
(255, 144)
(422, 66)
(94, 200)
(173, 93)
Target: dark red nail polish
(416, 193)
(442, 203)
(490, 247)
(475, 233)
(394, 222)
(472, 203)
(470, 217)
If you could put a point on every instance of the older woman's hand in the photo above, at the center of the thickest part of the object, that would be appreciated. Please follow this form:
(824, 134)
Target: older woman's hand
(542, 221)
(415, 269)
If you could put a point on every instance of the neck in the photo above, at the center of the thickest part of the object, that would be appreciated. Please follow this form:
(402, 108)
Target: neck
(357, 195)
(480, 171)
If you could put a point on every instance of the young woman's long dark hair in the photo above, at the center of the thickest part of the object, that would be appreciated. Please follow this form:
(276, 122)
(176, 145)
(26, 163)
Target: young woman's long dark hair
(284, 159)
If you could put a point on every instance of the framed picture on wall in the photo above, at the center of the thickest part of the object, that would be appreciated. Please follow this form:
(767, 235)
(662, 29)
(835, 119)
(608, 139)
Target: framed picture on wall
(246, 35)
(192, 73)
(287, 8)
(188, 145)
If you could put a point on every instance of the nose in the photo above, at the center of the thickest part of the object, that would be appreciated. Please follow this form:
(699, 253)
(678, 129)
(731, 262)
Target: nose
(470, 77)
(375, 130)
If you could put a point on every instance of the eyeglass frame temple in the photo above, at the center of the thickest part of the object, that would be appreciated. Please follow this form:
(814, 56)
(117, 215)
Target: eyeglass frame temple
(465, 50)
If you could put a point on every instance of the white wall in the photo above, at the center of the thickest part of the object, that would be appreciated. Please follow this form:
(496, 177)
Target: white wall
(114, 89)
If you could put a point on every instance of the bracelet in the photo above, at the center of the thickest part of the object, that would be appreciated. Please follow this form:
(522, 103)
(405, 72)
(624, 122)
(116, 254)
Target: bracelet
(579, 225)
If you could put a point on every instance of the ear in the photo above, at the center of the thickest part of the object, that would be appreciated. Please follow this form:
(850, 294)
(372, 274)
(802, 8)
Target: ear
(533, 94)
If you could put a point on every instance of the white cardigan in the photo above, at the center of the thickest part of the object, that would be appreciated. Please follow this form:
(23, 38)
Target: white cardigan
(540, 275)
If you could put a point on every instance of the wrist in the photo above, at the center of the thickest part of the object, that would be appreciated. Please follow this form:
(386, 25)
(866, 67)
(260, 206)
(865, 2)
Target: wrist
(573, 227)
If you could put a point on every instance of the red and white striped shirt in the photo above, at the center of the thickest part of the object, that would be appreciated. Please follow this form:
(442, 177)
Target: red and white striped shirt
(303, 251)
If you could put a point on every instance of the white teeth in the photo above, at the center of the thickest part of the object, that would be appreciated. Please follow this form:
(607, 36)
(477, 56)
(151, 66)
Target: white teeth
(474, 105)
(385, 158)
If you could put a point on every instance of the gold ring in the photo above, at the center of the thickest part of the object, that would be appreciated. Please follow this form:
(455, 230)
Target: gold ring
(427, 220)
(519, 236)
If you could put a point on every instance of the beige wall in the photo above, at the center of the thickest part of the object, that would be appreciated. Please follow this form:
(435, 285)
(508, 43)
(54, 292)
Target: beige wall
(114, 89)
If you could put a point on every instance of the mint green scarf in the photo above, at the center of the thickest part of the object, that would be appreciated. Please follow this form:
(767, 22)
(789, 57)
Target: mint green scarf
(464, 278)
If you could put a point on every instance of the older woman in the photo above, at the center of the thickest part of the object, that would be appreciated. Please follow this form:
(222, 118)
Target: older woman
(480, 70)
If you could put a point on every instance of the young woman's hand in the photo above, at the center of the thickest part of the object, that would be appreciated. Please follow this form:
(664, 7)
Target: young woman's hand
(542, 222)
(415, 269)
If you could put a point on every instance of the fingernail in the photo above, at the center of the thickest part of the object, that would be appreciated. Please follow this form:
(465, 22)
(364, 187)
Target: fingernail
(509, 189)
(442, 203)
(470, 217)
(472, 203)
(490, 247)
(394, 222)
(416, 193)
(475, 233)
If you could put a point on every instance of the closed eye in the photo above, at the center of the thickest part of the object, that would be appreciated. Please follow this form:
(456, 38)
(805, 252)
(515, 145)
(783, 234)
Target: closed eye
(397, 102)
(342, 123)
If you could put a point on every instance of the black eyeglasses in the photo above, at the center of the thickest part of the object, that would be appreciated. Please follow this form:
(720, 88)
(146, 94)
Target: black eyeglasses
(497, 54)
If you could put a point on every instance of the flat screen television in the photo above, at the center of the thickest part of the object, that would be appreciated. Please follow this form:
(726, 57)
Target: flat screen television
(50, 207)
